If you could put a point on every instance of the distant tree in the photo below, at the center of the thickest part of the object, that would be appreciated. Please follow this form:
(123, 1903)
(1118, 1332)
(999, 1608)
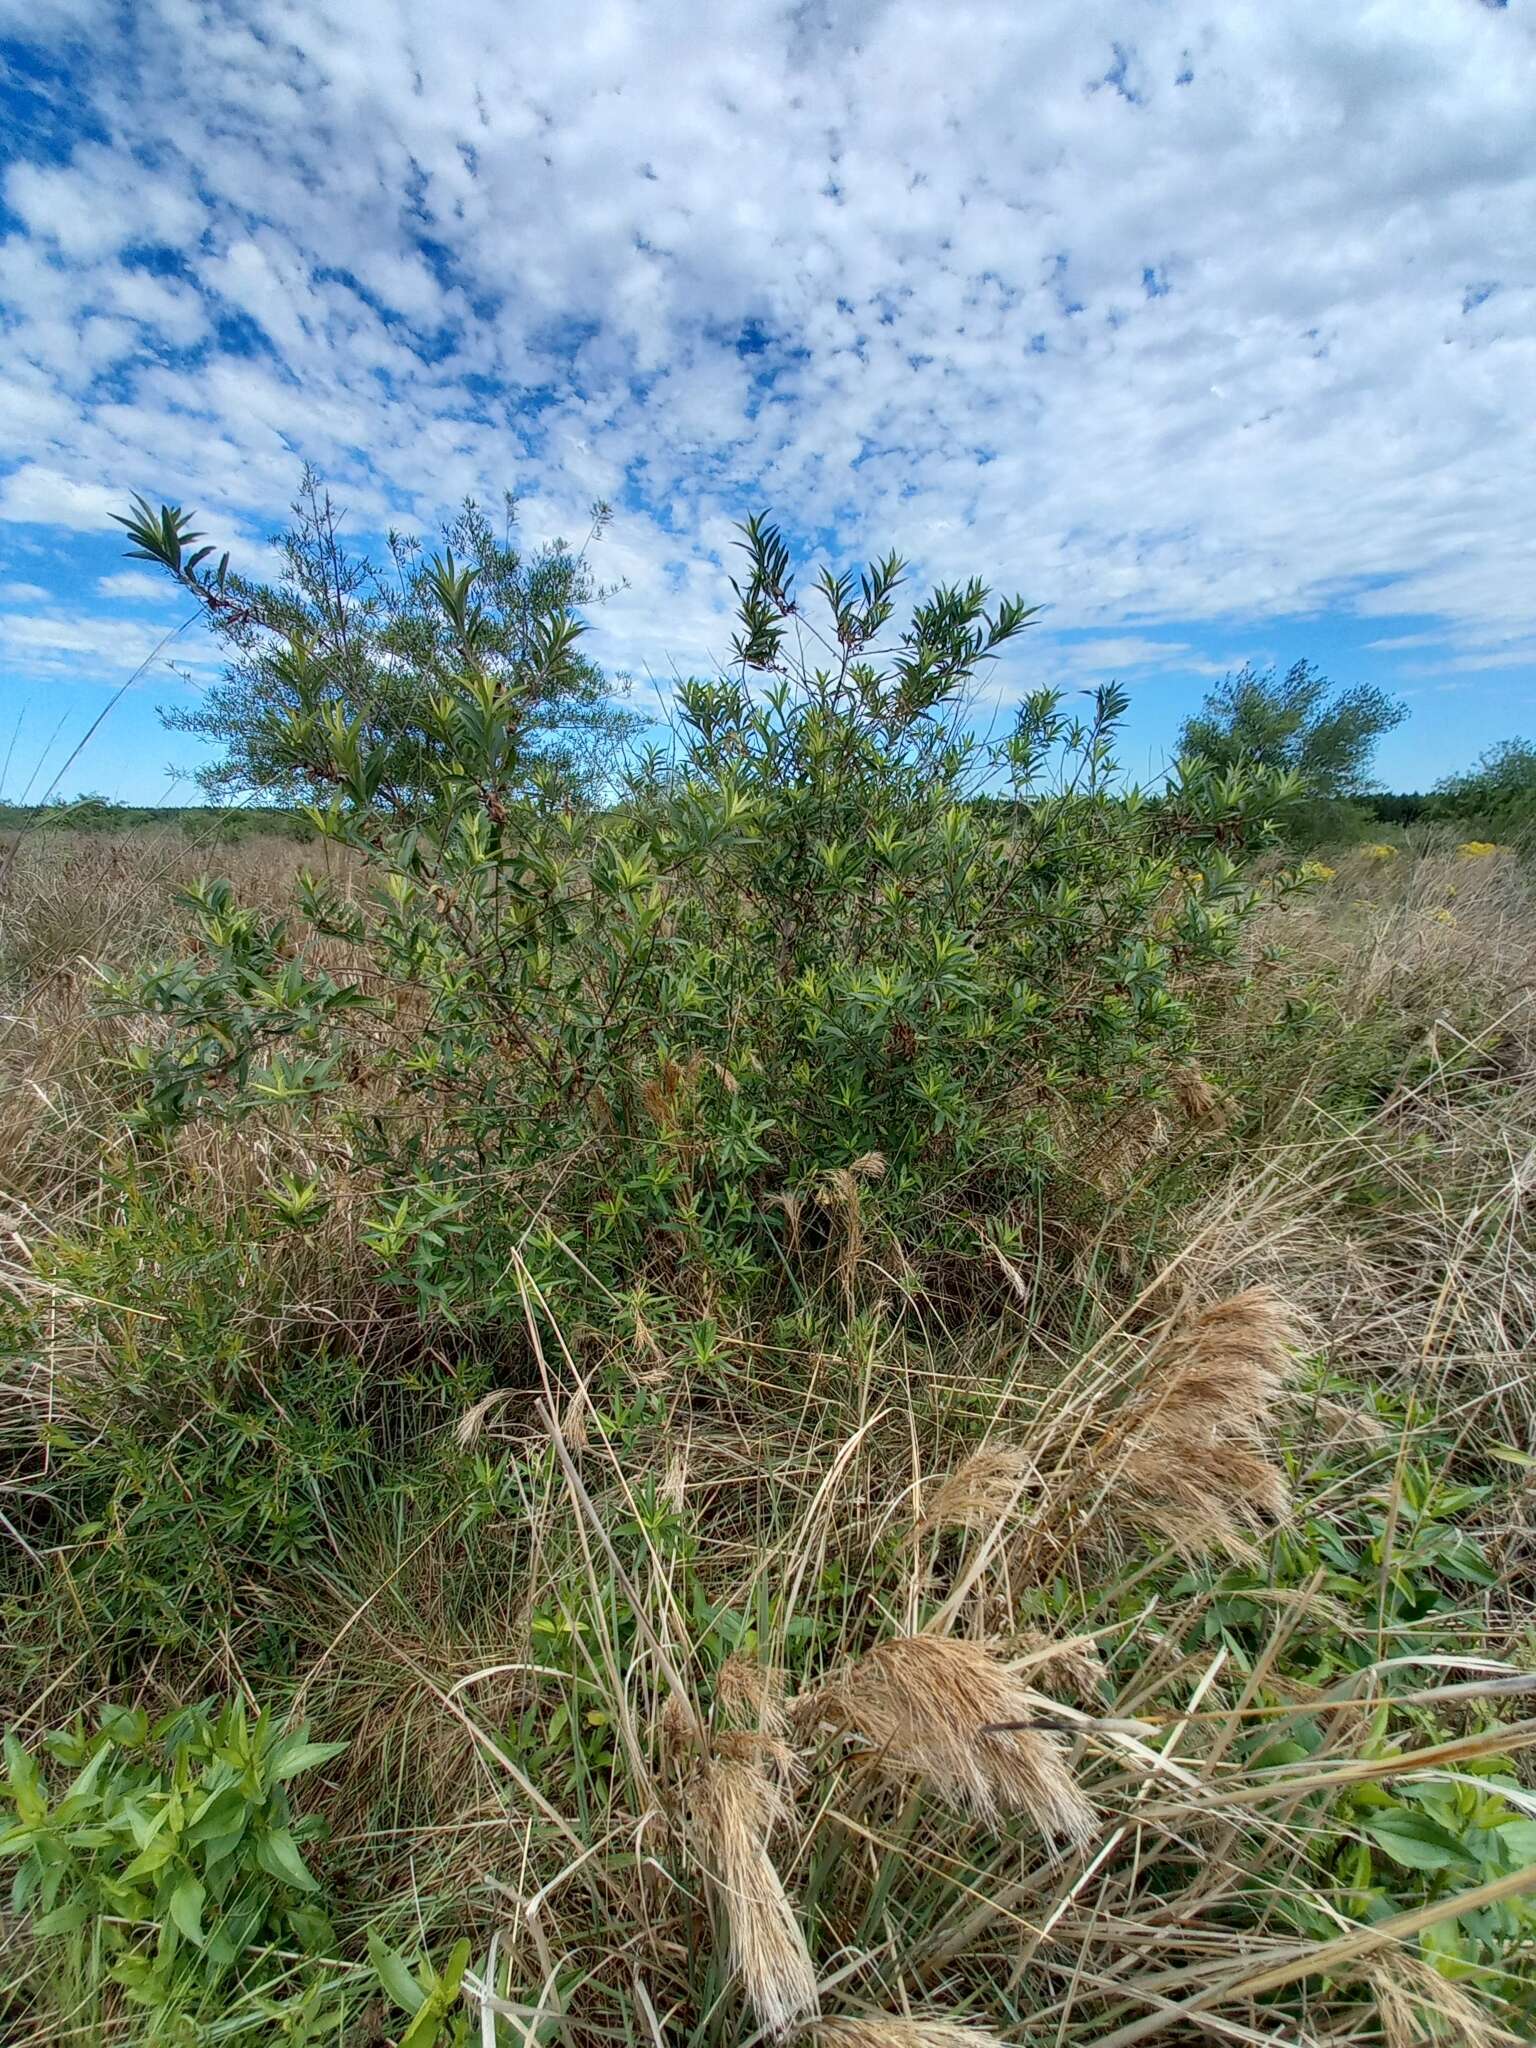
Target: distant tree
(1497, 795)
(374, 647)
(1399, 807)
(1299, 721)
(1303, 723)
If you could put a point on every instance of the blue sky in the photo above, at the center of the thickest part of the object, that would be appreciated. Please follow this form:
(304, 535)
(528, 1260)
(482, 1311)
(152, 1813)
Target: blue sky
(1212, 329)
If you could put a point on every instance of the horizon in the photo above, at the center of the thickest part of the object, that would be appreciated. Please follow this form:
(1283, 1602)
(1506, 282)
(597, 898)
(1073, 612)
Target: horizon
(1214, 338)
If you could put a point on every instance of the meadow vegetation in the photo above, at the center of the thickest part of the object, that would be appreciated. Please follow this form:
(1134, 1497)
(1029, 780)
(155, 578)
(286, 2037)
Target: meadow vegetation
(720, 1393)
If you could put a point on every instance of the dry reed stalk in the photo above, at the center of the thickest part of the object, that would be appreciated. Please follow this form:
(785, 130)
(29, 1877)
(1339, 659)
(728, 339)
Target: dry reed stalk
(734, 1800)
(934, 1707)
(982, 1490)
(893, 2030)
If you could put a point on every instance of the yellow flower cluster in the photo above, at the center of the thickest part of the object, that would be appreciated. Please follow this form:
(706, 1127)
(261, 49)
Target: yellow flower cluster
(1476, 849)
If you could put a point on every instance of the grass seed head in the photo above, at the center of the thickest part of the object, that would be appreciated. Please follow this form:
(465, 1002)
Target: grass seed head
(892, 2030)
(735, 1799)
(935, 1708)
(979, 1492)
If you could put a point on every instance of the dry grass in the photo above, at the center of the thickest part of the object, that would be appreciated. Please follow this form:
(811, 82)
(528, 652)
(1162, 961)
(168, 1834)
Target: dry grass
(981, 1755)
(735, 1799)
(951, 1714)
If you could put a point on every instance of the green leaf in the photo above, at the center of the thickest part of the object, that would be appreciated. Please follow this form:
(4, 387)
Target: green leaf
(64, 1919)
(25, 1784)
(185, 1907)
(278, 1854)
(222, 1813)
(423, 2030)
(1518, 1839)
(304, 1757)
(81, 1789)
(453, 1971)
(394, 1975)
(1414, 1840)
(155, 1857)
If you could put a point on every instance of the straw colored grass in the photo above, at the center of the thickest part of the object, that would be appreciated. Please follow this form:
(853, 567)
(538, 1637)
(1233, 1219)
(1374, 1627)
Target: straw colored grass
(950, 1713)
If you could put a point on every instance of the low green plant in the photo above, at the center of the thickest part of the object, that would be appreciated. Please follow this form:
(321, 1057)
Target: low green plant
(429, 1996)
(172, 1854)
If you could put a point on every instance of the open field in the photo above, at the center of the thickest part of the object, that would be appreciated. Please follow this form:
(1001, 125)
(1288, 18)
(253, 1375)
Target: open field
(1123, 1644)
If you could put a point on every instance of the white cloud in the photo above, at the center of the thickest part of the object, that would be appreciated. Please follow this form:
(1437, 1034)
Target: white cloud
(67, 644)
(1163, 336)
(134, 586)
(48, 497)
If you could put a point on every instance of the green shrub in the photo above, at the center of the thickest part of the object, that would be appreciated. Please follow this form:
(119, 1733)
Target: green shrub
(1496, 797)
(171, 1854)
(210, 1426)
(788, 996)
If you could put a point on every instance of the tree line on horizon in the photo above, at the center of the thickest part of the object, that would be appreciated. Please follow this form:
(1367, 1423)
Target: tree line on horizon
(385, 642)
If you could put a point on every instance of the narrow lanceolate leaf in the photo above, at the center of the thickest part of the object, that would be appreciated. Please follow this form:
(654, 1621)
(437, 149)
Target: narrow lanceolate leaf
(278, 1854)
(304, 1757)
(63, 1919)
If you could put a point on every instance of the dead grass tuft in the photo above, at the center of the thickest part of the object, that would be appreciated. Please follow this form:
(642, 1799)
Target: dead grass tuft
(890, 2030)
(941, 1709)
(734, 1800)
(1420, 2008)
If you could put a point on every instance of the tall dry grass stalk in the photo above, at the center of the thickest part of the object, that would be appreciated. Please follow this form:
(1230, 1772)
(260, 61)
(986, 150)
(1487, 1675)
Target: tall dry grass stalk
(892, 2030)
(735, 1798)
(939, 1709)
(1196, 1428)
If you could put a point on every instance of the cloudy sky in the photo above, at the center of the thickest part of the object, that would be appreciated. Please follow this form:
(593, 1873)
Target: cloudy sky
(1213, 328)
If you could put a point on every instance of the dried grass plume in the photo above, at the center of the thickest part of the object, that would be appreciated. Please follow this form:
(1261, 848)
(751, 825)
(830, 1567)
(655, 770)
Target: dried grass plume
(1196, 1465)
(891, 2030)
(931, 1707)
(735, 1798)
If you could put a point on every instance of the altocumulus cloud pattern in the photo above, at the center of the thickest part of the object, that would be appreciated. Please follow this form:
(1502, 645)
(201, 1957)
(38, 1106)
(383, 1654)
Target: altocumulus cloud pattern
(1176, 314)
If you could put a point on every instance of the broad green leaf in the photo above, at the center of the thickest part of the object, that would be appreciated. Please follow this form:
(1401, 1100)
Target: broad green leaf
(64, 1919)
(304, 1757)
(185, 1907)
(1414, 1840)
(1518, 1839)
(278, 1854)
(423, 2030)
(24, 1781)
(79, 1793)
(394, 1975)
(155, 1857)
(224, 1814)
